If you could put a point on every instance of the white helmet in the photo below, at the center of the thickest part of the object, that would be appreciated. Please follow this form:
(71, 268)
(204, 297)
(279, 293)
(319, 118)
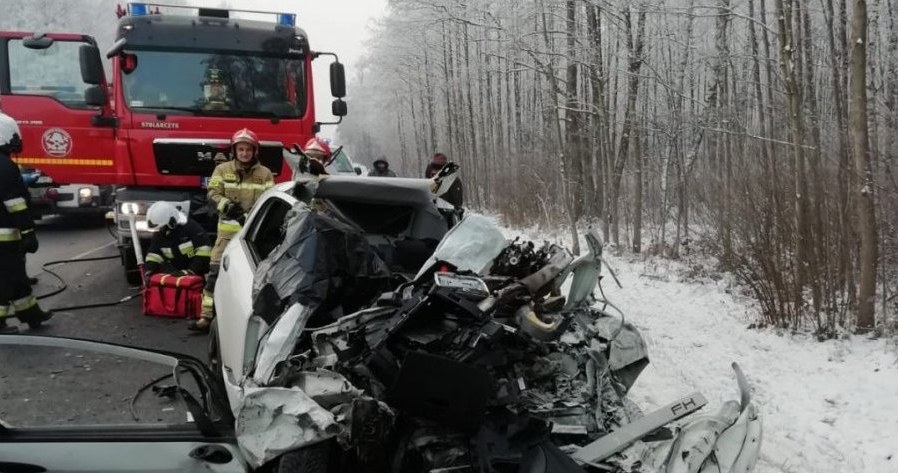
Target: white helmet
(164, 214)
(10, 135)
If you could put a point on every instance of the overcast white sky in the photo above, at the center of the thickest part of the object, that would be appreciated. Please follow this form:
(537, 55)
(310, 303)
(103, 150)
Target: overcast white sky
(338, 26)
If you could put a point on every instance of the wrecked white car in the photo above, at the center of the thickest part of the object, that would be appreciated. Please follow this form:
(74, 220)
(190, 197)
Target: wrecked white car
(401, 219)
(491, 357)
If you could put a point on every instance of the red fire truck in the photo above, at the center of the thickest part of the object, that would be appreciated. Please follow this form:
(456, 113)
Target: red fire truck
(180, 85)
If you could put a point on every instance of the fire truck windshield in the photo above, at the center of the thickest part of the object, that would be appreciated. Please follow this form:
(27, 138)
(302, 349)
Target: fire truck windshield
(210, 83)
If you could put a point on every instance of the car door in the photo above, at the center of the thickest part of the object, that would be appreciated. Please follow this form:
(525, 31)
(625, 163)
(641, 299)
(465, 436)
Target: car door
(233, 290)
(71, 405)
(45, 81)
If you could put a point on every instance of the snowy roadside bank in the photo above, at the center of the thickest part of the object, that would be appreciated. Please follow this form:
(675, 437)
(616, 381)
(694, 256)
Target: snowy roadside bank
(826, 407)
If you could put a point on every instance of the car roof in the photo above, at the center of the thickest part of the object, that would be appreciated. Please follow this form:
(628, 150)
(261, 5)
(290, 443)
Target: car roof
(428, 222)
(385, 190)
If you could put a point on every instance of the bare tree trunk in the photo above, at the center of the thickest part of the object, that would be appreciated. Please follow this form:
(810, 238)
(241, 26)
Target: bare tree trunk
(679, 142)
(635, 64)
(793, 93)
(597, 85)
(818, 257)
(573, 117)
(477, 153)
(637, 205)
(721, 141)
(845, 234)
(431, 116)
(766, 152)
(558, 119)
(857, 109)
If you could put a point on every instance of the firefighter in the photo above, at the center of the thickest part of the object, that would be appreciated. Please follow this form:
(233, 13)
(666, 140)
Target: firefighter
(29, 176)
(319, 154)
(16, 236)
(234, 187)
(180, 245)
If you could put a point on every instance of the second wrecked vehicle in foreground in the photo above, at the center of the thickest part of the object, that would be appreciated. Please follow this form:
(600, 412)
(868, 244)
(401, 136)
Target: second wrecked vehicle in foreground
(492, 358)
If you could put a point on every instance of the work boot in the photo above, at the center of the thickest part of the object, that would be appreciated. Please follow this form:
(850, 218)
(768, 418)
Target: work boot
(35, 317)
(200, 325)
(6, 329)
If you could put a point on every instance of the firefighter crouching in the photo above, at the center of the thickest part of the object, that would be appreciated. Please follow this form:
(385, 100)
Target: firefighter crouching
(16, 235)
(179, 246)
(233, 189)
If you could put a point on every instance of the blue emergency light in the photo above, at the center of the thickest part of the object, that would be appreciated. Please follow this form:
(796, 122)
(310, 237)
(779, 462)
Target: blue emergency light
(286, 19)
(138, 9)
(143, 9)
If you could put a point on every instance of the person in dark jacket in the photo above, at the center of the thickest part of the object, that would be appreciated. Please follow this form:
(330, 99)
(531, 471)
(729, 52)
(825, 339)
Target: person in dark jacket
(180, 246)
(382, 168)
(17, 236)
(436, 164)
(446, 182)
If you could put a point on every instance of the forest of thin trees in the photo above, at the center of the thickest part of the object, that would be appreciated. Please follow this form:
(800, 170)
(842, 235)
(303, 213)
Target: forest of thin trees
(762, 132)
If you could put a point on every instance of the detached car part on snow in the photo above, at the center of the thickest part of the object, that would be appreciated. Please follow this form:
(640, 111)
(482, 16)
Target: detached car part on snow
(491, 358)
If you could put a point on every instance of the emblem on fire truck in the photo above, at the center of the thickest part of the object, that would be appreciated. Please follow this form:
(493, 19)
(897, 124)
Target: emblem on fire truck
(57, 142)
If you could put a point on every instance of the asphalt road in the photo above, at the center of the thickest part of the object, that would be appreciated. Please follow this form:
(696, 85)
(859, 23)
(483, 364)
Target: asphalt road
(40, 386)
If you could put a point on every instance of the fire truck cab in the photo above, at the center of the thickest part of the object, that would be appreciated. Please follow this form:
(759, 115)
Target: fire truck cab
(182, 81)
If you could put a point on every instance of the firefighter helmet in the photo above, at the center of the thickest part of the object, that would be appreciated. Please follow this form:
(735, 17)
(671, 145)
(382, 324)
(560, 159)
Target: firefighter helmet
(10, 135)
(164, 214)
(319, 148)
(245, 135)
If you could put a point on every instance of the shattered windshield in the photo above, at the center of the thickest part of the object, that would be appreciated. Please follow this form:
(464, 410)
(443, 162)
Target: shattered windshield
(204, 82)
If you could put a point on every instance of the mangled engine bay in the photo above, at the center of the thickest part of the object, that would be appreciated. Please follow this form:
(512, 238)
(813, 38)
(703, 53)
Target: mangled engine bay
(493, 358)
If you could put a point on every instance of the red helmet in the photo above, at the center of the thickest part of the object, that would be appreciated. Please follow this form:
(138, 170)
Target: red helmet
(244, 135)
(315, 144)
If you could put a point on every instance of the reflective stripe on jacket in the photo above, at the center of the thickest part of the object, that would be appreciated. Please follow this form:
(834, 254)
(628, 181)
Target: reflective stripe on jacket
(186, 247)
(15, 219)
(230, 182)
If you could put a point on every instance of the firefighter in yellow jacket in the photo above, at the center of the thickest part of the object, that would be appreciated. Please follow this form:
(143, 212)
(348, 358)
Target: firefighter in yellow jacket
(234, 187)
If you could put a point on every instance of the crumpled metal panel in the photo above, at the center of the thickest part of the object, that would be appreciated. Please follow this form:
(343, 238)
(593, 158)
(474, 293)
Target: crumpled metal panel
(471, 245)
(274, 420)
(279, 341)
(628, 355)
(327, 388)
(322, 263)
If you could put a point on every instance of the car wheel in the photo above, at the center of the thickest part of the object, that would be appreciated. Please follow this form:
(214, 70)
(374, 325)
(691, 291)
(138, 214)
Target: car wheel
(214, 352)
(311, 459)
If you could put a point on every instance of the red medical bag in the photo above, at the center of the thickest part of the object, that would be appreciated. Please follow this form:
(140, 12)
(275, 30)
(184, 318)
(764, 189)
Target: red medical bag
(167, 295)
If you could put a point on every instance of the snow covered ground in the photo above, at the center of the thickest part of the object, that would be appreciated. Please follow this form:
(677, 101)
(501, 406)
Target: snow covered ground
(826, 407)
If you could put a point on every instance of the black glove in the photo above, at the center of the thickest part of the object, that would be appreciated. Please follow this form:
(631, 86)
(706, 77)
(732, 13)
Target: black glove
(184, 272)
(223, 210)
(234, 211)
(29, 242)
